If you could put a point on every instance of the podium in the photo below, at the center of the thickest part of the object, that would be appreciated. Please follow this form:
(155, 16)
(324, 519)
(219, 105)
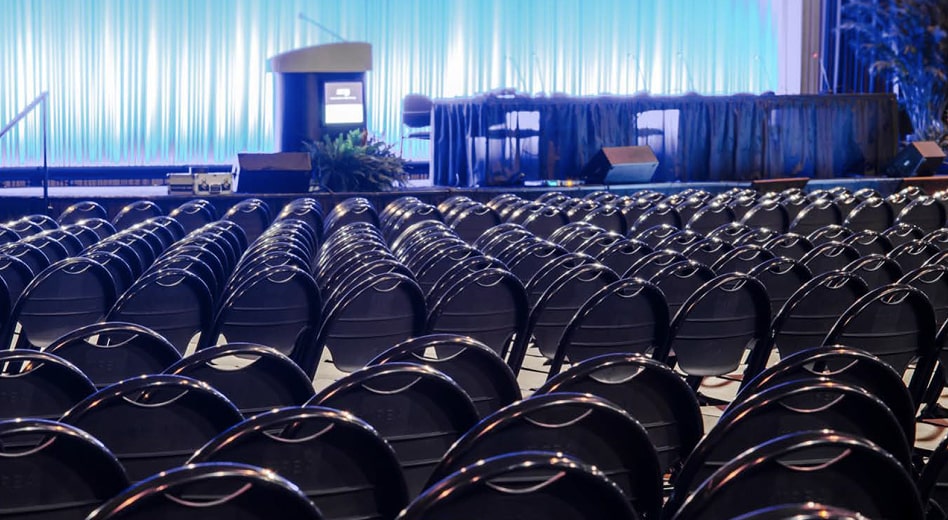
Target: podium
(319, 91)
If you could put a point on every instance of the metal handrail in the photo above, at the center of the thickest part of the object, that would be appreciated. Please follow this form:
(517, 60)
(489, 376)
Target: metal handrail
(43, 102)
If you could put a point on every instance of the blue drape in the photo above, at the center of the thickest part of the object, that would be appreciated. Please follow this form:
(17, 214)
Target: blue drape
(702, 138)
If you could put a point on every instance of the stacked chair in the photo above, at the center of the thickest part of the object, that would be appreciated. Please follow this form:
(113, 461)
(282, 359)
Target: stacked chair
(547, 357)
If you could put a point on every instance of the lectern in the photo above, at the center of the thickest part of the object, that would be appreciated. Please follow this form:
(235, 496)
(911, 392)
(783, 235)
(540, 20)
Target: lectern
(319, 91)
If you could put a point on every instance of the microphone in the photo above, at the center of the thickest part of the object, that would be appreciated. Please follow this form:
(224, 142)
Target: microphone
(536, 61)
(687, 71)
(321, 27)
(824, 80)
(519, 72)
(639, 74)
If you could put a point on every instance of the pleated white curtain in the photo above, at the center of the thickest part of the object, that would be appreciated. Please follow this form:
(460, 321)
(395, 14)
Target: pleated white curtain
(137, 82)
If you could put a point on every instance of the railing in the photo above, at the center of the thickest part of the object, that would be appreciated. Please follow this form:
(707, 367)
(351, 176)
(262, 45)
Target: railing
(43, 102)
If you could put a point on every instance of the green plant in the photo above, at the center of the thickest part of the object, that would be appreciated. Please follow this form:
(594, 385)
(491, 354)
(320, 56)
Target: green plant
(905, 41)
(355, 162)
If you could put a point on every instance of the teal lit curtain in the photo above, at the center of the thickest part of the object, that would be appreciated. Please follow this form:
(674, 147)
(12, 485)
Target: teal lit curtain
(136, 82)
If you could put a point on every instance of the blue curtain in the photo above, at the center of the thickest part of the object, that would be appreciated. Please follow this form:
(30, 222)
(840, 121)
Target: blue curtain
(138, 82)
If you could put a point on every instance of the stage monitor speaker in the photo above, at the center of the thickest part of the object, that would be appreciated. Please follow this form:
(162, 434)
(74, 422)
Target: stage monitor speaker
(285, 172)
(923, 157)
(620, 165)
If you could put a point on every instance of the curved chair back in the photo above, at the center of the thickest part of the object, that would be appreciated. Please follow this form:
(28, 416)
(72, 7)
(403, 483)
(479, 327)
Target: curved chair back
(53, 471)
(337, 460)
(249, 493)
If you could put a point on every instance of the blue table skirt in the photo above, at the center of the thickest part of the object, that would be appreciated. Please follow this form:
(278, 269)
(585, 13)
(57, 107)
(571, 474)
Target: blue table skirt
(491, 139)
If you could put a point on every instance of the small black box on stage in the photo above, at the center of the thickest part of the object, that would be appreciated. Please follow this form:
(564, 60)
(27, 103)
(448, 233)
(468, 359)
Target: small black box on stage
(620, 165)
(915, 159)
(285, 172)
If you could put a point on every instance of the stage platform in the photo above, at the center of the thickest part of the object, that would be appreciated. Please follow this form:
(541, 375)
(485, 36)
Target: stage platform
(24, 200)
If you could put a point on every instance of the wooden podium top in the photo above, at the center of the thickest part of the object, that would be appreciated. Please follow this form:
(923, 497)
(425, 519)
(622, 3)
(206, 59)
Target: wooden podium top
(331, 57)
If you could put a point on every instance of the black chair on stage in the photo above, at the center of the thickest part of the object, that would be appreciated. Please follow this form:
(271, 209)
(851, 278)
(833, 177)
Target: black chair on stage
(109, 352)
(843, 470)
(475, 367)
(254, 378)
(250, 493)
(418, 410)
(53, 471)
(154, 423)
(337, 460)
(649, 391)
(586, 427)
(39, 384)
(571, 490)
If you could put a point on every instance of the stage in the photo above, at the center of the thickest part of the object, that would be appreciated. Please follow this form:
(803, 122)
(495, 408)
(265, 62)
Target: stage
(15, 202)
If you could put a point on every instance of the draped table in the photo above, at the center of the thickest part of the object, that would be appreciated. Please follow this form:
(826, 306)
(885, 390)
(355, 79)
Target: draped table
(482, 140)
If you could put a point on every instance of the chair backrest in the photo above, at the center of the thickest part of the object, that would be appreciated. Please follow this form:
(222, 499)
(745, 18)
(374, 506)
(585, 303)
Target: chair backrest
(868, 241)
(109, 352)
(154, 423)
(418, 410)
(856, 474)
(553, 310)
(649, 391)
(39, 384)
(475, 367)
(829, 256)
(253, 215)
(680, 280)
(377, 312)
(933, 482)
(337, 460)
(193, 214)
(586, 427)
(844, 364)
(172, 302)
(628, 315)
(876, 270)
(812, 310)
(801, 511)
(873, 213)
(896, 323)
(63, 297)
(249, 493)
(255, 378)
(799, 405)
(416, 110)
(489, 305)
(931, 279)
(138, 211)
(789, 245)
(276, 306)
(716, 325)
(560, 487)
(53, 471)
(741, 259)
